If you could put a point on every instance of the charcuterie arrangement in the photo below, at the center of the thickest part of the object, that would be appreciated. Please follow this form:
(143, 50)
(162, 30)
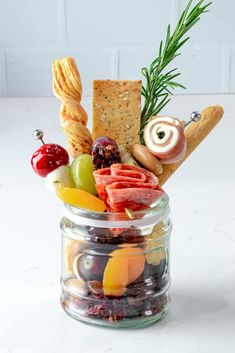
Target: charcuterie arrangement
(118, 169)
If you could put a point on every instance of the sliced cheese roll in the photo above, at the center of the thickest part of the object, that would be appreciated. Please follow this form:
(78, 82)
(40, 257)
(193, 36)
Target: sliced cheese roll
(164, 137)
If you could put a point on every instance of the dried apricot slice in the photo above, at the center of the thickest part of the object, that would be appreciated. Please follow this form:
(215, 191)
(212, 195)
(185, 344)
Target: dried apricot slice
(124, 266)
(80, 198)
(116, 276)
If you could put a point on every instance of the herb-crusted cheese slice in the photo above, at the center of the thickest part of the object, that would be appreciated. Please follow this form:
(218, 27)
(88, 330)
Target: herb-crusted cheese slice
(117, 110)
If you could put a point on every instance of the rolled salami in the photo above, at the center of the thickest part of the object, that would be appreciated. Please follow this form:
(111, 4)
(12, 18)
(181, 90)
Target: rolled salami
(124, 186)
(164, 137)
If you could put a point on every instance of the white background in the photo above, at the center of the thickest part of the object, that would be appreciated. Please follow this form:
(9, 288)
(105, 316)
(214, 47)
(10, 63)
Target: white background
(110, 39)
(114, 39)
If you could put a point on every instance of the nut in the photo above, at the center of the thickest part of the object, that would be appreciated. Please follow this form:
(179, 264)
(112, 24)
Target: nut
(147, 159)
(76, 287)
(71, 249)
(126, 157)
(96, 287)
(154, 255)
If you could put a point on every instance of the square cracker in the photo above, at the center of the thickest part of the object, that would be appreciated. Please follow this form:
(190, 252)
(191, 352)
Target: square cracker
(117, 110)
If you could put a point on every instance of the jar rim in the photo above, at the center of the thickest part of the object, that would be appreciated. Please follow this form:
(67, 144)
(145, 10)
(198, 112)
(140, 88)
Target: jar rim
(145, 217)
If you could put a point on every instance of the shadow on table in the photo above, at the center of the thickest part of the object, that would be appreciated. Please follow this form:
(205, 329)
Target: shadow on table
(194, 303)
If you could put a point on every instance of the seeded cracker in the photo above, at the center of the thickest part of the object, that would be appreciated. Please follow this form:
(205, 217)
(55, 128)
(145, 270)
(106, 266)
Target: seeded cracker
(117, 110)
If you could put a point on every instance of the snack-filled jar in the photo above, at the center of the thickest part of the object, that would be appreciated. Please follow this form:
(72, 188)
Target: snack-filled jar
(115, 267)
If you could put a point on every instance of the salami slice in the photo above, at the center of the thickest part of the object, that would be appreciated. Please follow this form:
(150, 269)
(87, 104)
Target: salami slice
(123, 186)
(107, 176)
(129, 170)
(135, 196)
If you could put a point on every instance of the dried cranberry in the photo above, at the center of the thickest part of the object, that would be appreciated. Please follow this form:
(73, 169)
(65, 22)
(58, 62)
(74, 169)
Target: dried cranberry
(109, 236)
(109, 310)
(156, 271)
(155, 305)
(100, 310)
(104, 153)
(100, 235)
(131, 235)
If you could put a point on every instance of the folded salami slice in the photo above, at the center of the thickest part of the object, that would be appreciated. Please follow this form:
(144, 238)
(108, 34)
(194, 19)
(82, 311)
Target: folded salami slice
(136, 196)
(123, 186)
(107, 176)
(134, 171)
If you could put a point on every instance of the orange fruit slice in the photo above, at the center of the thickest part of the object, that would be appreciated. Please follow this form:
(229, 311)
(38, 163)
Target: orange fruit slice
(123, 268)
(80, 198)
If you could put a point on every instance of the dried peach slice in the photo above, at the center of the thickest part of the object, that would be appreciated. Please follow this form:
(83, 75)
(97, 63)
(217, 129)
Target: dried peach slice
(80, 198)
(116, 276)
(124, 267)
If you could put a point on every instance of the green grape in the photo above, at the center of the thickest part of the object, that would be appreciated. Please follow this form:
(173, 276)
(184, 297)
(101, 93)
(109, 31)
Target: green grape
(82, 173)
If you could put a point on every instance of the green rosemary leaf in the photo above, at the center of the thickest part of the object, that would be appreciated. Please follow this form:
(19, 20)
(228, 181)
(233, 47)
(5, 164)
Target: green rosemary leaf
(163, 103)
(160, 50)
(159, 85)
(144, 92)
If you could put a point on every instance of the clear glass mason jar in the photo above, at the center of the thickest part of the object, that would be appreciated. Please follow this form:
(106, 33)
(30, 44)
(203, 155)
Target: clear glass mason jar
(115, 270)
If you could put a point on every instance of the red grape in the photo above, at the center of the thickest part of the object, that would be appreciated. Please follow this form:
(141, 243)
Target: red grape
(91, 267)
(105, 152)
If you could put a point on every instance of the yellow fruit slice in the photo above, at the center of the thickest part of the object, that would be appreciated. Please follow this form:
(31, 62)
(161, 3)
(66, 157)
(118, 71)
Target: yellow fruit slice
(156, 243)
(80, 198)
(116, 276)
(155, 256)
(123, 268)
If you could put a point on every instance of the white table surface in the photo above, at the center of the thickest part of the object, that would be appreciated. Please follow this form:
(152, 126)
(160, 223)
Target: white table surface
(202, 313)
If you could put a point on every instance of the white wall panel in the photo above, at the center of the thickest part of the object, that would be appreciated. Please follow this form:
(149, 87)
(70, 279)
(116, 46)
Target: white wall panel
(3, 78)
(232, 70)
(28, 22)
(29, 70)
(127, 22)
(110, 39)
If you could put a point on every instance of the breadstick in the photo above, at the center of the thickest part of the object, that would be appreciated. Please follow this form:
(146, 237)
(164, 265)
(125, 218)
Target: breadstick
(67, 87)
(195, 134)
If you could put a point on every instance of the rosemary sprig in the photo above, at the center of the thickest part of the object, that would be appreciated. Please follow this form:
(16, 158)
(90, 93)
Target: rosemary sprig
(160, 84)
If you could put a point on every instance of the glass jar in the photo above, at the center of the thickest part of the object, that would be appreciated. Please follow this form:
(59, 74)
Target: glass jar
(115, 270)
